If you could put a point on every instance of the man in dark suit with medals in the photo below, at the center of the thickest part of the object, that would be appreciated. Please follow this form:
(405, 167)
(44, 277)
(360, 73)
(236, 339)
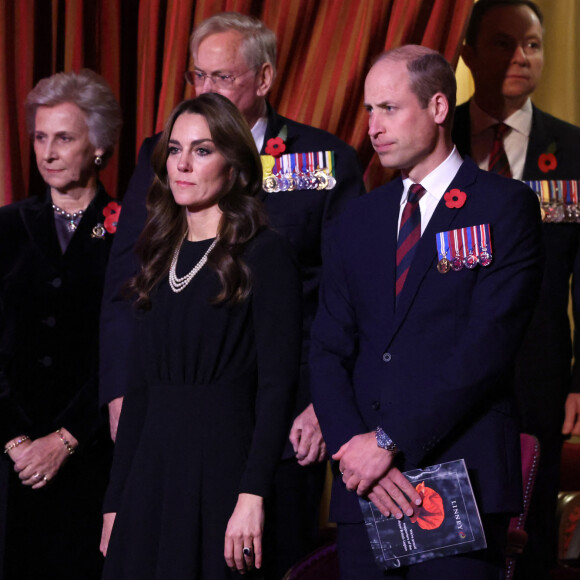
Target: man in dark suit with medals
(504, 50)
(309, 175)
(428, 285)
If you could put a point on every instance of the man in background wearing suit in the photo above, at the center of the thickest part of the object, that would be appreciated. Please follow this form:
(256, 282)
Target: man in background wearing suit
(235, 55)
(504, 50)
(412, 349)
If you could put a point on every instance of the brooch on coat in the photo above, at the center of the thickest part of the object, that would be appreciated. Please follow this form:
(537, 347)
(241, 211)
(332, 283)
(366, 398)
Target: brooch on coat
(547, 161)
(275, 146)
(455, 198)
(111, 214)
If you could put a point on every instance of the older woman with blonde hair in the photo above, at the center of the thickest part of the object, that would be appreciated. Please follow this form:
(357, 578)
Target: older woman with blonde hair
(53, 253)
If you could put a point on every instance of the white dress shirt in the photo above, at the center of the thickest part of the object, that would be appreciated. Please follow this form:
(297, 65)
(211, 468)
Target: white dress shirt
(515, 142)
(259, 132)
(435, 184)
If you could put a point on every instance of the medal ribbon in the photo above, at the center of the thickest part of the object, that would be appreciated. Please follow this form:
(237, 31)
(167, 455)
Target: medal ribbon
(464, 242)
(551, 190)
(472, 237)
(485, 239)
(442, 239)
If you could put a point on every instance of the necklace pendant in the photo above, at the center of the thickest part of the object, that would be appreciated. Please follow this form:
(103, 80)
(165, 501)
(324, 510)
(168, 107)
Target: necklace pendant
(72, 226)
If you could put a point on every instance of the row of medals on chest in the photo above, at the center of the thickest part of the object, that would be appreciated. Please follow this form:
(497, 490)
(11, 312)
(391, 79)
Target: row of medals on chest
(290, 179)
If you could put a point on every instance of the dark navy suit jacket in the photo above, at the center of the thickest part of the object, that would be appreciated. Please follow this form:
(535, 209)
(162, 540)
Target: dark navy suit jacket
(544, 362)
(301, 216)
(436, 372)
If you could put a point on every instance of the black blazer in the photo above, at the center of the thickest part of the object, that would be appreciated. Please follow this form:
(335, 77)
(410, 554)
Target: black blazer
(436, 372)
(544, 362)
(301, 216)
(49, 323)
(49, 320)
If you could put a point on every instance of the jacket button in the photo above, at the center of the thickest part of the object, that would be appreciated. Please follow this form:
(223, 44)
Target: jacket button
(50, 321)
(56, 283)
(46, 361)
(387, 357)
(376, 405)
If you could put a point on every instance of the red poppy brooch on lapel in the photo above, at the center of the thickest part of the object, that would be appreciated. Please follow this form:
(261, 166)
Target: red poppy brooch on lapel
(455, 198)
(547, 161)
(275, 146)
(111, 213)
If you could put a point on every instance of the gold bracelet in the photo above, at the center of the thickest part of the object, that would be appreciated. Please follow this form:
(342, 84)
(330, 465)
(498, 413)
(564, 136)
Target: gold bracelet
(65, 442)
(16, 443)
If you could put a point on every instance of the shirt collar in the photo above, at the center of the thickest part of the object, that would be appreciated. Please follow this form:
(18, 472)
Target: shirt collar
(259, 132)
(520, 120)
(436, 182)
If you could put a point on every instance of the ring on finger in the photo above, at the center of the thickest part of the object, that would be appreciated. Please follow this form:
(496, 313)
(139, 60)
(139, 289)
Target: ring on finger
(37, 476)
(247, 552)
(45, 478)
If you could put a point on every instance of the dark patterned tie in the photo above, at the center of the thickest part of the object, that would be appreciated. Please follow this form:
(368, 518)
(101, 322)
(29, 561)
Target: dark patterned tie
(409, 234)
(498, 161)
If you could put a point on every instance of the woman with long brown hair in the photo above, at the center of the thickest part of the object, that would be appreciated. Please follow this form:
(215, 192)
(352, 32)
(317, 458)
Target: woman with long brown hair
(216, 360)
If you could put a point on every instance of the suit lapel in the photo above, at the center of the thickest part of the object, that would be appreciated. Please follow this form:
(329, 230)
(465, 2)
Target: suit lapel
(426, 254)
(540, 140)
(39, 223)
(272, 129)
(387, 241)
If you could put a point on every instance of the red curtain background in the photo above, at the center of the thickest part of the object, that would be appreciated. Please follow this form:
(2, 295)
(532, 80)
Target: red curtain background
(141, 48)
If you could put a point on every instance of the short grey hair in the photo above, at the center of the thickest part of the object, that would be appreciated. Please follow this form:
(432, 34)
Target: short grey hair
(258, 44)
(91, 94)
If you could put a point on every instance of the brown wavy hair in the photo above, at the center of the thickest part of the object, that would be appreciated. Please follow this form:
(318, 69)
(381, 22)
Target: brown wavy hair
(242, 213)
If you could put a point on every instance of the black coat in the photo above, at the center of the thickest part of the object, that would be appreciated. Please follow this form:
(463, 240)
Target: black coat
(545, 358)
(49, 312)
(543, 366)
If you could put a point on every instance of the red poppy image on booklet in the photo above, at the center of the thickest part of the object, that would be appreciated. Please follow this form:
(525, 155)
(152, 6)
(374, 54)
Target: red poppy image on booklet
(447, 522)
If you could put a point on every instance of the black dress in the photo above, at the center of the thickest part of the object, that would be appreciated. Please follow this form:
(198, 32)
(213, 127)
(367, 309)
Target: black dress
(206, 416)
(49, 317)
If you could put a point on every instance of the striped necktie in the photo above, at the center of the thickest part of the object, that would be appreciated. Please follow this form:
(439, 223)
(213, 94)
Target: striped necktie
(409, 234)
(498, 161)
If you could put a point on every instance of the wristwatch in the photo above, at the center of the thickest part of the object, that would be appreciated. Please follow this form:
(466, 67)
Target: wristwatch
(384, 441)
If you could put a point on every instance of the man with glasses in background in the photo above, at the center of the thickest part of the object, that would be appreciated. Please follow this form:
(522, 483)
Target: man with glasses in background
(309, 176)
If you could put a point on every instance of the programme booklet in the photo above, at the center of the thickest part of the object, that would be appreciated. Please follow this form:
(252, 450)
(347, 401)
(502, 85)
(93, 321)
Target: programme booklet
(447, 522)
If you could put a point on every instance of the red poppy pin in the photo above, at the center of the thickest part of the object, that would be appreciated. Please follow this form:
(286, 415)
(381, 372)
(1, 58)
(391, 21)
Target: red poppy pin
(111, 212)
(455, 198)
(275, 146)
(547, 161)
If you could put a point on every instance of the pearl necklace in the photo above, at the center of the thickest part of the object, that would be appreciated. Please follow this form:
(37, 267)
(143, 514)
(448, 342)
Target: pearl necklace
(72, 224)
(178, 284)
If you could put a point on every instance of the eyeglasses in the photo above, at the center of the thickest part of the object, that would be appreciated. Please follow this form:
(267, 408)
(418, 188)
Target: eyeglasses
(220, 81)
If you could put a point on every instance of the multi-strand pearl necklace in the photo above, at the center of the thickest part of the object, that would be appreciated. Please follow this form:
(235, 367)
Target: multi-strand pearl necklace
(178, 284)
